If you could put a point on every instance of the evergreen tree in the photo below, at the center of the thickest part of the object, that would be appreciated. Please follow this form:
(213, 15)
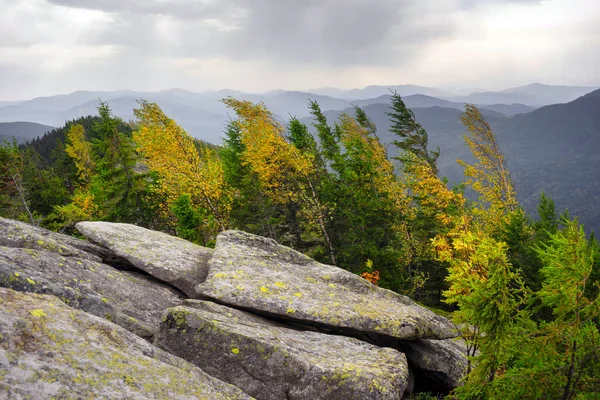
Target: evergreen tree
(412, 137)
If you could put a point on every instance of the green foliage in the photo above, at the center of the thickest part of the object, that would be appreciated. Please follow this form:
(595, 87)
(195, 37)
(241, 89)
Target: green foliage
(193, 224)
(412, 137)
(300, 137)
(555, 358)
(548, 222)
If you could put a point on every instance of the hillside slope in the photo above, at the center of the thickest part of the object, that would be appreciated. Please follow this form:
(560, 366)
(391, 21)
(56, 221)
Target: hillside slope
(22, 131)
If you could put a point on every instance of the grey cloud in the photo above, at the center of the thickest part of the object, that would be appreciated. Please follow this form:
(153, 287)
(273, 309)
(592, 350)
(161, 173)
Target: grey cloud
(316, 32)
(182, 9)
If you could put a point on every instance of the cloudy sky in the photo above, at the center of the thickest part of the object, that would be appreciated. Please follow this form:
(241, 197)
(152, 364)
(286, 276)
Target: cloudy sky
(59, 46)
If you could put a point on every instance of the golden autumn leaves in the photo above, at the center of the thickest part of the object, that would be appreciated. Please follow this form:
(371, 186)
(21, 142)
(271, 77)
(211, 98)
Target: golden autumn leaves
(170, 152)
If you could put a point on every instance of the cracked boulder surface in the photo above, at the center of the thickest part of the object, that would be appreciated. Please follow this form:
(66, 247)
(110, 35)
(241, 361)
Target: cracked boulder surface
(259, 275)
(21, 235)
(443, 361)
(129, 299)
(268, 360)
(49, 350)
(168, 258)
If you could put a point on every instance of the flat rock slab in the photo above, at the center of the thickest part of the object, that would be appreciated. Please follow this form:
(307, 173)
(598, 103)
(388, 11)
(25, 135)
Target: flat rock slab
(131, 300)
(168, 258)
(21, 235)
(257, 274)
(271, 361)
(49, 350)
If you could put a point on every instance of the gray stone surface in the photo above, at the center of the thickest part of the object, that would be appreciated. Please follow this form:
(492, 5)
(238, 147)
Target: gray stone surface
(49, 350)
(168, 258)
(256, 273)
(444, 361)
(131, 300)
(19, 234)
(271, 361)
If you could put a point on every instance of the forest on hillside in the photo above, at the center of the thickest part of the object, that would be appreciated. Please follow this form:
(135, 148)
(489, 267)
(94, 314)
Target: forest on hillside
(524, 291)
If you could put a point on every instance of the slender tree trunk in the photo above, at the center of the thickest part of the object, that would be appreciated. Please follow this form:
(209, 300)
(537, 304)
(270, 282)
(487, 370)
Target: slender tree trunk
(567, 393)
(321, 219)
(21, 192)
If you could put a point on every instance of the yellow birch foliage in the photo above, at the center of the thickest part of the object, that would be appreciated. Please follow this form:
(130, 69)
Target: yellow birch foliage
(170, 151)
(488, 176)
(80, 151)
(285, 173)
(432, 195)
(281, 168)
(81, 208)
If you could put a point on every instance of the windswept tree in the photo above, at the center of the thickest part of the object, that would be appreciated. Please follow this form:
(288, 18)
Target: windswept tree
(181, 169)
(488, 176)
(411, 136)
(285, 172)
(371, 204)
(433, 208)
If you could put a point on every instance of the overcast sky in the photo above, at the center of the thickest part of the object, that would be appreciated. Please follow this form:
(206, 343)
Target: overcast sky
(59, 46)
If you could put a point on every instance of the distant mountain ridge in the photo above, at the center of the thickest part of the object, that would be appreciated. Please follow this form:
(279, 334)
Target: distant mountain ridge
(22, 131)
(535, 94)
(204, 116)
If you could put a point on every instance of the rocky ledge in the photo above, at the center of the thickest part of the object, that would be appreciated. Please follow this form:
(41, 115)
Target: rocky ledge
(140, 314)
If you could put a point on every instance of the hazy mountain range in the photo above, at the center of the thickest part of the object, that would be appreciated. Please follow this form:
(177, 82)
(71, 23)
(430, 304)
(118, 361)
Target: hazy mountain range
(551, 148)
(204, 116)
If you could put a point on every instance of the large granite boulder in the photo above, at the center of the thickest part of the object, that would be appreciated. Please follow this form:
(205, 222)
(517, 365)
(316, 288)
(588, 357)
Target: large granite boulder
(21, 235)
(168, 258)
(129, 299)
(49, 350)
(271, 361)
(257, 274)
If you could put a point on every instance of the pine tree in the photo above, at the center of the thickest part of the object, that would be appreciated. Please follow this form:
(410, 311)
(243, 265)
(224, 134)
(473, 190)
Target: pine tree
(412, 137)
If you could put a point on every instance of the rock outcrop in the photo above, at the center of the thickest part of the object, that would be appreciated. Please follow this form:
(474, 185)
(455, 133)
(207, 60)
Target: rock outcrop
(258, 274)
(168, 258)
(18, 234)
(271, 361)
(272, 322)
(126, 298)
(49, 350)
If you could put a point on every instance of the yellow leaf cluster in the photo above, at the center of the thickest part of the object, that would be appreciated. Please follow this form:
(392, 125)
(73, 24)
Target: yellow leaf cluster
(433, 195)
(488, 176)
(281, 168)
(81, 208)
(80, 151)
(182, 169)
